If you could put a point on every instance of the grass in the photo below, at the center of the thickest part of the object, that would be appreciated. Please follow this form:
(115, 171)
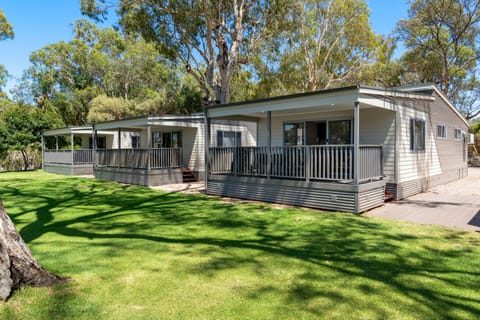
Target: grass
(136, 253)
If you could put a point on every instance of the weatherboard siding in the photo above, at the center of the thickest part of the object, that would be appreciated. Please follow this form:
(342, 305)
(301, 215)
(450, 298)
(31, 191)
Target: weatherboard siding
(68, 169)
(377, 127)
(327, 196)
(450, 151)
(413, 165)
(441, 162)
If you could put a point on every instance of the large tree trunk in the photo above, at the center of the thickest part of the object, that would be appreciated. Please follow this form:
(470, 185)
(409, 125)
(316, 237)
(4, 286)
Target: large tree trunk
(17, 265)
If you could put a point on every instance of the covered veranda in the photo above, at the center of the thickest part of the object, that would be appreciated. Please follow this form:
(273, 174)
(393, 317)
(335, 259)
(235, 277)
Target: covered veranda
(325, 149)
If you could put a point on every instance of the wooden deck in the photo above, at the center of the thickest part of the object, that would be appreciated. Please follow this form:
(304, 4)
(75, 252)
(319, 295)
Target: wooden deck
(312, 176)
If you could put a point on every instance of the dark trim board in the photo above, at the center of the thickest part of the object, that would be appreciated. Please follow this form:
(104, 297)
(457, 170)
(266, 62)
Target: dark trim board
(155, 177)
(68, 169)
(319, 195)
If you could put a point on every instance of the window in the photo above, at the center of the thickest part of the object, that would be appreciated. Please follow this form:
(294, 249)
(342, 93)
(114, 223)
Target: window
(135, 142)
(340, 132)
(457, 133)
(293, 134)
(101, 143)
(229, 139)
(417, 135)
(167, 139)
(441, 131)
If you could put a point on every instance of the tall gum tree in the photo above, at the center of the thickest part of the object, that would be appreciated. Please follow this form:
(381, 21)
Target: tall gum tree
(211, 38)
(442, 38)
(325, 44)
(18, 267)
(6, 32)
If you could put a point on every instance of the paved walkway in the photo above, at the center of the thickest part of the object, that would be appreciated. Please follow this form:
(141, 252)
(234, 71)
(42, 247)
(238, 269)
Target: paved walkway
(456, 204)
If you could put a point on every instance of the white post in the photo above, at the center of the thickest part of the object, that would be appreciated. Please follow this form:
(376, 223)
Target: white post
(269, 143)
(43, 152)
(149, 146)
(356, 142)
(94, 147)
(72, 145)
(119, 145)
(119, 140)
(207, 146)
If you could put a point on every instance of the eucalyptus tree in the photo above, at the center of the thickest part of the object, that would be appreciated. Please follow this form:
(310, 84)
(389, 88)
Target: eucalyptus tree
(18, 267)
(3, 80)
(325, 44)
(442, 40)
(211, 38)
(6, 29)
(66, 77)
(6, 32)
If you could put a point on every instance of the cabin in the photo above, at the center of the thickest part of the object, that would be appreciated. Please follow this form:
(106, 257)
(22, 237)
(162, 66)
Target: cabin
(340, 149)
(164, 149)
(69, 150)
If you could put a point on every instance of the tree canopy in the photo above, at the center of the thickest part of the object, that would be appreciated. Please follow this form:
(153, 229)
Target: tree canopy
(320, 45)
(21, 127)
(442, 38)
(67, 77)
(6, 32)
(210, 38)
(6, 29)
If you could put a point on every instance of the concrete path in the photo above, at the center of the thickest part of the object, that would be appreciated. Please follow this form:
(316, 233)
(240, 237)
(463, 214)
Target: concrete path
(456, 204)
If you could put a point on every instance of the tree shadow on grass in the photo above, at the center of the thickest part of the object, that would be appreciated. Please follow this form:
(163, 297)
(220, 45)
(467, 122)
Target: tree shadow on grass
(376, 258)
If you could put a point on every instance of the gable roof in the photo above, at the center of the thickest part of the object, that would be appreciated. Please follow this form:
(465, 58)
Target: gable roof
(432, 87)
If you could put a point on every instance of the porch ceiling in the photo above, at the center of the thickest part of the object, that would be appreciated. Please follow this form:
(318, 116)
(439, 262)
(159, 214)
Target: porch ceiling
(138, 124)
(67, 131)
(304, 105)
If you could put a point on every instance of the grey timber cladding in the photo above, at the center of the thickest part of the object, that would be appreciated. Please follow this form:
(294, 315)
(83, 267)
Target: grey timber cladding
(68, 169)
(139, 176)
(450, 151)
(328, 196)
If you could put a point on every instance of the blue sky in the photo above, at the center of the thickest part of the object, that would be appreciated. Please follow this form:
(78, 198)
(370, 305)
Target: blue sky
(37, 23)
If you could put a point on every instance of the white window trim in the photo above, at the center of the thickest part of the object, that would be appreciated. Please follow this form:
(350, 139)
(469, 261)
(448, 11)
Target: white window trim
(459, 136)
(237, 139)
(327, 120)
(445, 131)
(414, 148)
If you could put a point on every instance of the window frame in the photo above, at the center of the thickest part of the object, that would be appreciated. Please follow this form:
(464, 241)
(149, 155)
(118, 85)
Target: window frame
(296, 123)
(135, 141)
(413, 135)
(98, 144)
(237, 137)
(163, 139)
(445, 134)
(459, 131)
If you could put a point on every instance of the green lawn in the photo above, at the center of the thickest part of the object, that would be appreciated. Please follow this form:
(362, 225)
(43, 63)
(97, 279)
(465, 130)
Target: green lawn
(136, 253)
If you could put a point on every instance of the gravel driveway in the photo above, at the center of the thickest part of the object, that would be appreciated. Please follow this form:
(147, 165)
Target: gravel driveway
(456, 204)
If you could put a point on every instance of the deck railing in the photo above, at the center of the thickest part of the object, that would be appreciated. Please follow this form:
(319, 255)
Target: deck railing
(325, 162)
(158, 158)
(81, 156)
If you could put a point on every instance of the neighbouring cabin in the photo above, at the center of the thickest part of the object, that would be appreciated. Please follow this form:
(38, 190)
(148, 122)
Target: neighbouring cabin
(70, 150)
(165, 149)
(340, 149)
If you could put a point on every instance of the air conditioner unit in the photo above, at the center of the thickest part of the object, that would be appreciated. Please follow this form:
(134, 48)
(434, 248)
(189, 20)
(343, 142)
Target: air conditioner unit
(471, 139)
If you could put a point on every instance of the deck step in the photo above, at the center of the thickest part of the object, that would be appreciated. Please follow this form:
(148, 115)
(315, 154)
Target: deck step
(188, 175)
